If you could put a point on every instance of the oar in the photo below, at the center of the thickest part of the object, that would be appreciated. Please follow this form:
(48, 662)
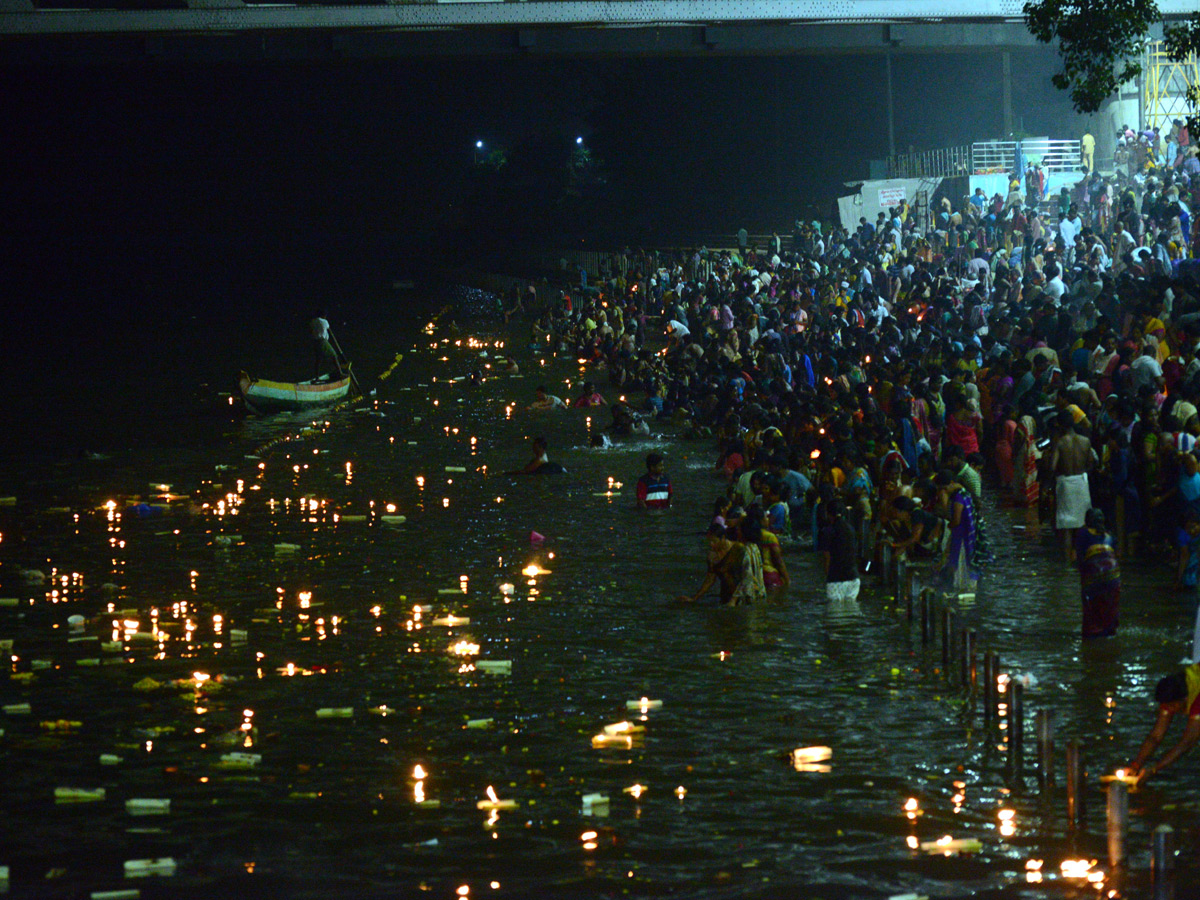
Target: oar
(353, 378)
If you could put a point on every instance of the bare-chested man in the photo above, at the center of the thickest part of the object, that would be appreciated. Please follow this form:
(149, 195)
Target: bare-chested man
(1070, 461)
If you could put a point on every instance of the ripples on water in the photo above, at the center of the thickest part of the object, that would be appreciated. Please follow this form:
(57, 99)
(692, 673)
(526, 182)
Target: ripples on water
(330, 808)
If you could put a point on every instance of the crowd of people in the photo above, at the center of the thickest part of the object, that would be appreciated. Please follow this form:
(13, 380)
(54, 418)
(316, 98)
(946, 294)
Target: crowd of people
(861, 386)
(871, 378)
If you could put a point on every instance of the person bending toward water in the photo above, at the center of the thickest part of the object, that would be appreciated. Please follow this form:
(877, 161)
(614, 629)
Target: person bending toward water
(540, 463)
(735, 566)
(1177, 694)
(958, 565)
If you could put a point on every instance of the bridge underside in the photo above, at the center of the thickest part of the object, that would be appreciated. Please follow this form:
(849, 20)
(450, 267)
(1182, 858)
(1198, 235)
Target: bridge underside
(364, 43)
(56, 31)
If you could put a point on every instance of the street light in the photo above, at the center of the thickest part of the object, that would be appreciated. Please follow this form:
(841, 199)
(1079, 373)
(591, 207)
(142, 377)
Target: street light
(578, 140)
(478, 147)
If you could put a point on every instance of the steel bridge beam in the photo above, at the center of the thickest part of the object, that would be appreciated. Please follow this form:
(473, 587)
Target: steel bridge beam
(27, 17)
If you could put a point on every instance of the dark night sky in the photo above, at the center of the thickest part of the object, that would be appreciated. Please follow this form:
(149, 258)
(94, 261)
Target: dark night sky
(175, 164)
(237, 145)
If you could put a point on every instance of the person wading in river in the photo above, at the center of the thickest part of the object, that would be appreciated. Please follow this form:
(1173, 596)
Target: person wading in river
(1070, 461)
(735, 566)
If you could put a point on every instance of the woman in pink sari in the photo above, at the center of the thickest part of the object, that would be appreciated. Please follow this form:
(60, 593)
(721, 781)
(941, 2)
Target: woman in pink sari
(962, 426)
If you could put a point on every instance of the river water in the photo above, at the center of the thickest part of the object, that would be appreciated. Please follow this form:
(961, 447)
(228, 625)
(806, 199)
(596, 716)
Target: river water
(206, 637)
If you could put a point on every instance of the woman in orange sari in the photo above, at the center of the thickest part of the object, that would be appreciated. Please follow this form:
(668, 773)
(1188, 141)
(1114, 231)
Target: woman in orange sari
(1003, 454)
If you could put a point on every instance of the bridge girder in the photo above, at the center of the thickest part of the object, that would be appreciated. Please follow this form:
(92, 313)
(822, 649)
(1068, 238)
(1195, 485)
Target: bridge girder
(216, 29)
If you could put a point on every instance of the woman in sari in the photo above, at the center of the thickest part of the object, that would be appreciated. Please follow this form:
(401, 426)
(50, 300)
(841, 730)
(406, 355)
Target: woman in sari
(999, 392)
(1025, 456)
(957, 570)
(754, 533)
(962, 426)
(1099, 576)
(1003, 453)
(736, 566)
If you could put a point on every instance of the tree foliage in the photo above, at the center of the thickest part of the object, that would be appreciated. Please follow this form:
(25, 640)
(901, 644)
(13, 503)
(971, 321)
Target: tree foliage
(1100, 43)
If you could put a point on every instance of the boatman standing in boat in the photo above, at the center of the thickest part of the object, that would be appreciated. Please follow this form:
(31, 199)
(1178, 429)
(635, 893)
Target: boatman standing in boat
(322, 348)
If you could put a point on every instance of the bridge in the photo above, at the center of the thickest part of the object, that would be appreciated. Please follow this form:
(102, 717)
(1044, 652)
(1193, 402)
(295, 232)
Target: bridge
(556, 26)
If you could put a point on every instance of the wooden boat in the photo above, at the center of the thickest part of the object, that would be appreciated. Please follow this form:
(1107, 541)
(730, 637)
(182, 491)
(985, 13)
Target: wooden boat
(262, 396)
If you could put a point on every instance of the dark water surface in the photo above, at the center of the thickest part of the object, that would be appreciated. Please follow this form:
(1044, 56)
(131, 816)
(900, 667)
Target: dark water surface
(329, 811)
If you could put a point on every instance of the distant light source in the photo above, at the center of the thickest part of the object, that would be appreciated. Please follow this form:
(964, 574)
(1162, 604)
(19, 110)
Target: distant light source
(579, 140)
(479, 145)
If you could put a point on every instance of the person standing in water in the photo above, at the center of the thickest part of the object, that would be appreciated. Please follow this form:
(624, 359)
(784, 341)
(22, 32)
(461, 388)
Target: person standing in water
(540, 463)
(1099, 576)
(1070, 461)
(654, 488)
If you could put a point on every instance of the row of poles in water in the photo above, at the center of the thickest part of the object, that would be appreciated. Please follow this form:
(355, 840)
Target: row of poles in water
(958, 649)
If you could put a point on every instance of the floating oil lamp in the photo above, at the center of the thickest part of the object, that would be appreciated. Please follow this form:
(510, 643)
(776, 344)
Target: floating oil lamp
(643, 705)
(495, 803)
(612, 742)
(950, 846)
(809, 755)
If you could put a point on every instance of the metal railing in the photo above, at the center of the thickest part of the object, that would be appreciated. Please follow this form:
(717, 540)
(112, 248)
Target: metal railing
(986, 158)
(944, 163)
(995, 157)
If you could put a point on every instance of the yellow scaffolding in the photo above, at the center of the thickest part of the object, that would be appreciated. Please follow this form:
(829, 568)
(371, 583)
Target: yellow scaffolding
(1165, 84)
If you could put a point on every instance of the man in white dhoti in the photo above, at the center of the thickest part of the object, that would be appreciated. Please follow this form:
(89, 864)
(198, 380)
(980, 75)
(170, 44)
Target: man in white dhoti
(1070, 461)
